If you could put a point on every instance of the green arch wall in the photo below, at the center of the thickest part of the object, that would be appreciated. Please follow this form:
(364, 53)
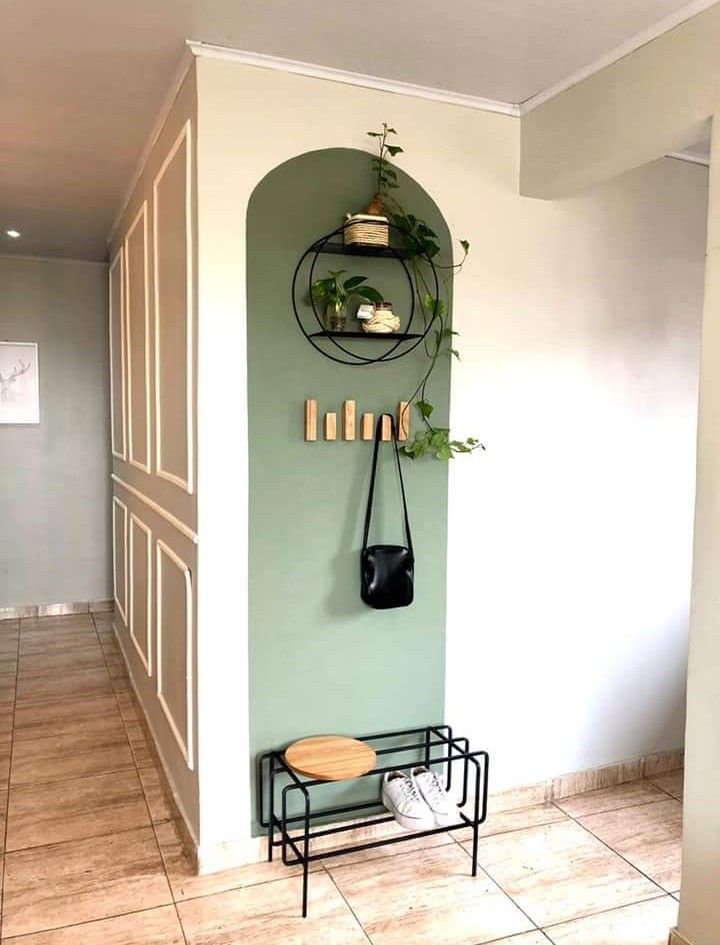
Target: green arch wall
(320, 660)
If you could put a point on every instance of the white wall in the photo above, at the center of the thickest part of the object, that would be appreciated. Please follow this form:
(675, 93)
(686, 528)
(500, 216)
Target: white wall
(699, 919)
(570, 539)
(54, 485)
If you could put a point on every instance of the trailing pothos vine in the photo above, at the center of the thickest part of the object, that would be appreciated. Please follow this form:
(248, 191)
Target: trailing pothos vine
(422, 244)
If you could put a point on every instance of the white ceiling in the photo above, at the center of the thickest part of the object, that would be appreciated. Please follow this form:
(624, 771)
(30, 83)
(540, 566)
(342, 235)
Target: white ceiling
(81, 81)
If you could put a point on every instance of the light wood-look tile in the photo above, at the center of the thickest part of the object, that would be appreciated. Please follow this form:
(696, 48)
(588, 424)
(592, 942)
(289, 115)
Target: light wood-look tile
(517, 818)
(46, 641)
(105, 605)
(61, 661)
(152, 927)
(670, 783)
(157, 795)
(622, 795)
(362, 834)
(3, 818)
(94, 715)
(4, 764)
(129, 707)
(645, 923)
(271, 913)
(650, 837)
(56, 621)
(141, 745)
(560, 872)
(51, 886)
(8, 664)
(69, 685)
(428, 898)
(527, 938)
(186, 884)
(9, 643)
(87, 807)
(7, 689)
(6, 724)
(67, 757)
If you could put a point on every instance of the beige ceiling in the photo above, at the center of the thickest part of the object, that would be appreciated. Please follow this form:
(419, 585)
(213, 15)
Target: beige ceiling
(81, 81)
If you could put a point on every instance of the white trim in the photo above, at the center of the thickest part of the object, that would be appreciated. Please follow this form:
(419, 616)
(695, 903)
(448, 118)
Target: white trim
(122, 610)
(690, 157)
(184, 66)
(145, 658)
(141, 215)
(185, 745)
(187, 485)
(122, 454)
(54, 259)
(263, 61)
(163, 513)
(667, 23)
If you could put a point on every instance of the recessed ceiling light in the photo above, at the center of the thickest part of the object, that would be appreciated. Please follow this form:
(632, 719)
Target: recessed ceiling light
(13, 234)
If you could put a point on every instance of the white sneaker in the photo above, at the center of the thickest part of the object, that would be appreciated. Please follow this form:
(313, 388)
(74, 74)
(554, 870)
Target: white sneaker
(429, 787)
(401, 798)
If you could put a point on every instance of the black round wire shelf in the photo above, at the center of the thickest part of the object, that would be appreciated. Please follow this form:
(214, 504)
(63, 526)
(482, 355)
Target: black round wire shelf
(329, 343)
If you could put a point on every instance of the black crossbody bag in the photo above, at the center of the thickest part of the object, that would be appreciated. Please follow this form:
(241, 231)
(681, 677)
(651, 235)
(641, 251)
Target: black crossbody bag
(387, 572)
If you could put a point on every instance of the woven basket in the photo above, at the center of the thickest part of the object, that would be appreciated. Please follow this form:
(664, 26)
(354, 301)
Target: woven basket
(365, 229)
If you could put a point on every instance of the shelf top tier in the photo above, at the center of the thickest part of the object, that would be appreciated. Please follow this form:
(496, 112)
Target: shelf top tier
(381, 252)
(368, 335)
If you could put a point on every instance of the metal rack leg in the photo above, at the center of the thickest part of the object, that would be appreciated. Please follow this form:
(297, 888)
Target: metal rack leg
(476, 817)
(271, 818)
(306, 851)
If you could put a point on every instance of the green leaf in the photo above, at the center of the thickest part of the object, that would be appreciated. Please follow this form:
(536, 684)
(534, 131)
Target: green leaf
(425, 408)
(354, 281)
(394, 149)
(447, 332)
(465, 245)
(374, 134)
(368, 293)
(444, 453)
(454, 352)
(390, 131)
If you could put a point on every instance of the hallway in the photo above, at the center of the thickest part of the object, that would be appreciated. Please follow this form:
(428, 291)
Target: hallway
(92, 854)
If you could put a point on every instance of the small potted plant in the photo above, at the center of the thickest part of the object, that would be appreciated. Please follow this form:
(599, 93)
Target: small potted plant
(334, 293)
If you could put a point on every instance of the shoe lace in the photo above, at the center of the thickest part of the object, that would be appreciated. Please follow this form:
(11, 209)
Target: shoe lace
(409, 791)
(434, 788)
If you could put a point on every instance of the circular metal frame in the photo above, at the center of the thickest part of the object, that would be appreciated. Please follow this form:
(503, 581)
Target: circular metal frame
(352, 359)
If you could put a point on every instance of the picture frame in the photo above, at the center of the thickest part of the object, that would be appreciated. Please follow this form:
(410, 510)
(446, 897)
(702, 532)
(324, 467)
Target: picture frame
(19, 382)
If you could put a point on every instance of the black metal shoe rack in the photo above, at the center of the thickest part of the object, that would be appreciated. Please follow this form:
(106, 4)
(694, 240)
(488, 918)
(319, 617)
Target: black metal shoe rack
(294, 834)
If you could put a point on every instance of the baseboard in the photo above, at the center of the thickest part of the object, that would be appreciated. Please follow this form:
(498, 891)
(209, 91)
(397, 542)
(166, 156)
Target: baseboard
(677, 939)
(56, 610)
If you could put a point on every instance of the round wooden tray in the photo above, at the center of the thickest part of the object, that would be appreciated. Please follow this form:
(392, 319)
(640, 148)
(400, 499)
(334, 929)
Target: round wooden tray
(330, 757)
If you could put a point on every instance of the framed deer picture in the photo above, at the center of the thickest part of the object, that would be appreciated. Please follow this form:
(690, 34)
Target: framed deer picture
(19, 382)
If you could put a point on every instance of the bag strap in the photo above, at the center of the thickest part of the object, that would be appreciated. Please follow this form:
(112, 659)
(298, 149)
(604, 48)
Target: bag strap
(371, 494)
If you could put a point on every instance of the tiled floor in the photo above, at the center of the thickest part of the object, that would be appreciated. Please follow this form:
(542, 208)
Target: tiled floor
(92, 854)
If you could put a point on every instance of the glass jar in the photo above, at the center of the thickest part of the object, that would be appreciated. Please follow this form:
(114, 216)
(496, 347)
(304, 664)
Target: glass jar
(335, 317)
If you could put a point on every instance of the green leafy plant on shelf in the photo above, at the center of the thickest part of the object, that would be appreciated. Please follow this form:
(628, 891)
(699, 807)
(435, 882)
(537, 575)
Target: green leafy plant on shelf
(334, 293)
(422, 245)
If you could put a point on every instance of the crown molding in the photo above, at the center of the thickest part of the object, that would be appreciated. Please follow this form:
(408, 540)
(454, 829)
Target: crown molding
(184, 66)
(690, 157)
(55, 259)
(635, 42)
(263, 61)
